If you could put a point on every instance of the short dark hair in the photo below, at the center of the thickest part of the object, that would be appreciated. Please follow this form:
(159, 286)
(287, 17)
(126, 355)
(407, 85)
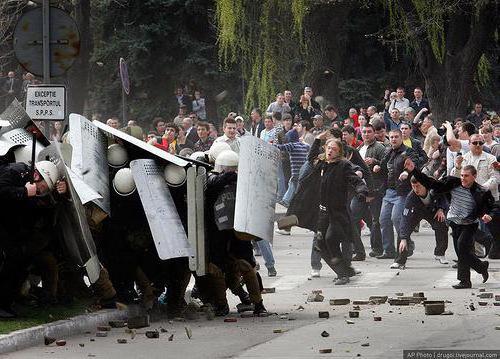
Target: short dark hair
(414, 179)
(471, 169)
(336, 132)
(369, 125)
(469, 128)
(418, 88)
(400, 88)
(349, 129)
(378, 125)
(257, 110)
(331, 108)
(277, 116)
(306, 124)
(286, 117)
(172, 125)
(396, 130)
(406, 123)
(157, 120)
(228, 120)
(204, 124)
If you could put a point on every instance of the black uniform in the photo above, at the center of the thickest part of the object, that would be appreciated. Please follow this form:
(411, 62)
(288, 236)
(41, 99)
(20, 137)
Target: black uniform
(415, 210)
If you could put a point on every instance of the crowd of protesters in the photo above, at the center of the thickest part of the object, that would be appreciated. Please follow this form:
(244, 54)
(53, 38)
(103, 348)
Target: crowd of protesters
(385, 167)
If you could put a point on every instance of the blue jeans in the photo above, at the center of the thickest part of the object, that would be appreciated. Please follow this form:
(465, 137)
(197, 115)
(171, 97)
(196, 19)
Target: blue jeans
(292, 186)
(267, 252)
(281, 181)
(390, 217)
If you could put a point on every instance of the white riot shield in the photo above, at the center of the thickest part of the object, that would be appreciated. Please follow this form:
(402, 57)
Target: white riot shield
(164, 221)
(19, 137)
(15, 115)
(73, 221)
(256, 187)
(88, 159)
(196, 181)
(138, 144)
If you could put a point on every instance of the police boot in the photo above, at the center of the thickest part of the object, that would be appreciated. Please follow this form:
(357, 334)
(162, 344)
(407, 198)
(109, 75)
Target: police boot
(104, 290)
(144, 284)
(260, 310)
(242, 294)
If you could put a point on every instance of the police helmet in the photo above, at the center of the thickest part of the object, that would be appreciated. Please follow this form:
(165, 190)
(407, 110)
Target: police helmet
(123, 182)
(226, 160)
(117, 155)
(175, 176)
(216, 149)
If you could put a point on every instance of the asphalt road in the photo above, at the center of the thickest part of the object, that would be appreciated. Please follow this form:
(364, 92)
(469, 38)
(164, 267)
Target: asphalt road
(401, 327)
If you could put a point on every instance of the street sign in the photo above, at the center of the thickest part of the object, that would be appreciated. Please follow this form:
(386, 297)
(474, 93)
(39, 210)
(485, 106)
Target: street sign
(64, 41)
(46, 102)
(124, 76)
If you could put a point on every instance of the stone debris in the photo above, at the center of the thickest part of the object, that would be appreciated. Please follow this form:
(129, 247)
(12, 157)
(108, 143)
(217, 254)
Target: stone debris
(268, 290)
(138, 322)
(230, 320)
(482, 290)
(171, 338)
(92, 339)
(103, 328)
(279, 331)
(413, 300)
(496, 304)
(377, 319)
(497, 327)
(399, 294)
(324, 314)
(163, 330)
(485, 295)
(247, 315)
(471, 306)
(399, 302)
(325, 351)
(189, 332)
(434, 308)
(356, 307)
(121, 341)
(61, 342)
(343, 301)
(49, 340)
(300, 308)
(378, 299)
(315, 297)
(101, 334)
(353, 314)
(152, 334)
(325, 334)
(81, 345)
(365, 344)
(117, 323)
(360, 302)
(349, 322)
(482, 304)
(419, 294)
(284, 317)
(447, 312)
(497, 297)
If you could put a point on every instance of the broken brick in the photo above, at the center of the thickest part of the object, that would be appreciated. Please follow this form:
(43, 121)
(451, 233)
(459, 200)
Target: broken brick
(344, 301)
(61, 343)
(353, 314)
(325, 351)
(324, 314)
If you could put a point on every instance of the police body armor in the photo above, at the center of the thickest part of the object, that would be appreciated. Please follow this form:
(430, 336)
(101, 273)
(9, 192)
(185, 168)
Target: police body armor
(224, 208)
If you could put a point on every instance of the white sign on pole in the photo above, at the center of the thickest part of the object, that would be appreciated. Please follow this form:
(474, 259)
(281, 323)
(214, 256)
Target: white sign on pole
(46, 102)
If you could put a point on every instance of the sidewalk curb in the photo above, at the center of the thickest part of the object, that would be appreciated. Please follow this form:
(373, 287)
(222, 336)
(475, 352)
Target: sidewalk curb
(25, 338)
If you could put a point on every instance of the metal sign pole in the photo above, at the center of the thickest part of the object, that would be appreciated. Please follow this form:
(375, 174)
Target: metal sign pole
(46, 51)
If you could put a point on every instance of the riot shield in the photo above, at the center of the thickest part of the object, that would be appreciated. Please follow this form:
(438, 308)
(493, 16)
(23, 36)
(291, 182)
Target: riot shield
(256, 187)
(196, 180)
(164, 222)
(20, 137)
(72, 220)
(145, 148)
(15, 115)
(88, 159)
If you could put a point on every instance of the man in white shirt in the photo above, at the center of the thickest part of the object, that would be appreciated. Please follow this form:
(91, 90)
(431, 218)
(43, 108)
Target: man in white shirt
(229, 135)
(268, 134)
(400, 102)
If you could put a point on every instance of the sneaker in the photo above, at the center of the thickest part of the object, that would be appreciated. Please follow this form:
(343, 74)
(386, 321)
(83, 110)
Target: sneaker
(341, 281)
(315, 273)
(271, 272)
(375, 254)
(358, 258)
(441, 259)
(283, 232)
(462, 285)
(243, 295)
(396, 265)
(386, 256)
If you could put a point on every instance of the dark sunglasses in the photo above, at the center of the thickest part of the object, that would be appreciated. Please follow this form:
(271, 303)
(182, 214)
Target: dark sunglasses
(477, 143)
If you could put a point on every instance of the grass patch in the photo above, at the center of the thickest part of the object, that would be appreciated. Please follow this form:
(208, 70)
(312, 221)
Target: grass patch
(31, 317)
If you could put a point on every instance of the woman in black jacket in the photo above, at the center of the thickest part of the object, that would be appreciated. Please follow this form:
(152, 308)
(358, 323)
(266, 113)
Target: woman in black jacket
(327, 186)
